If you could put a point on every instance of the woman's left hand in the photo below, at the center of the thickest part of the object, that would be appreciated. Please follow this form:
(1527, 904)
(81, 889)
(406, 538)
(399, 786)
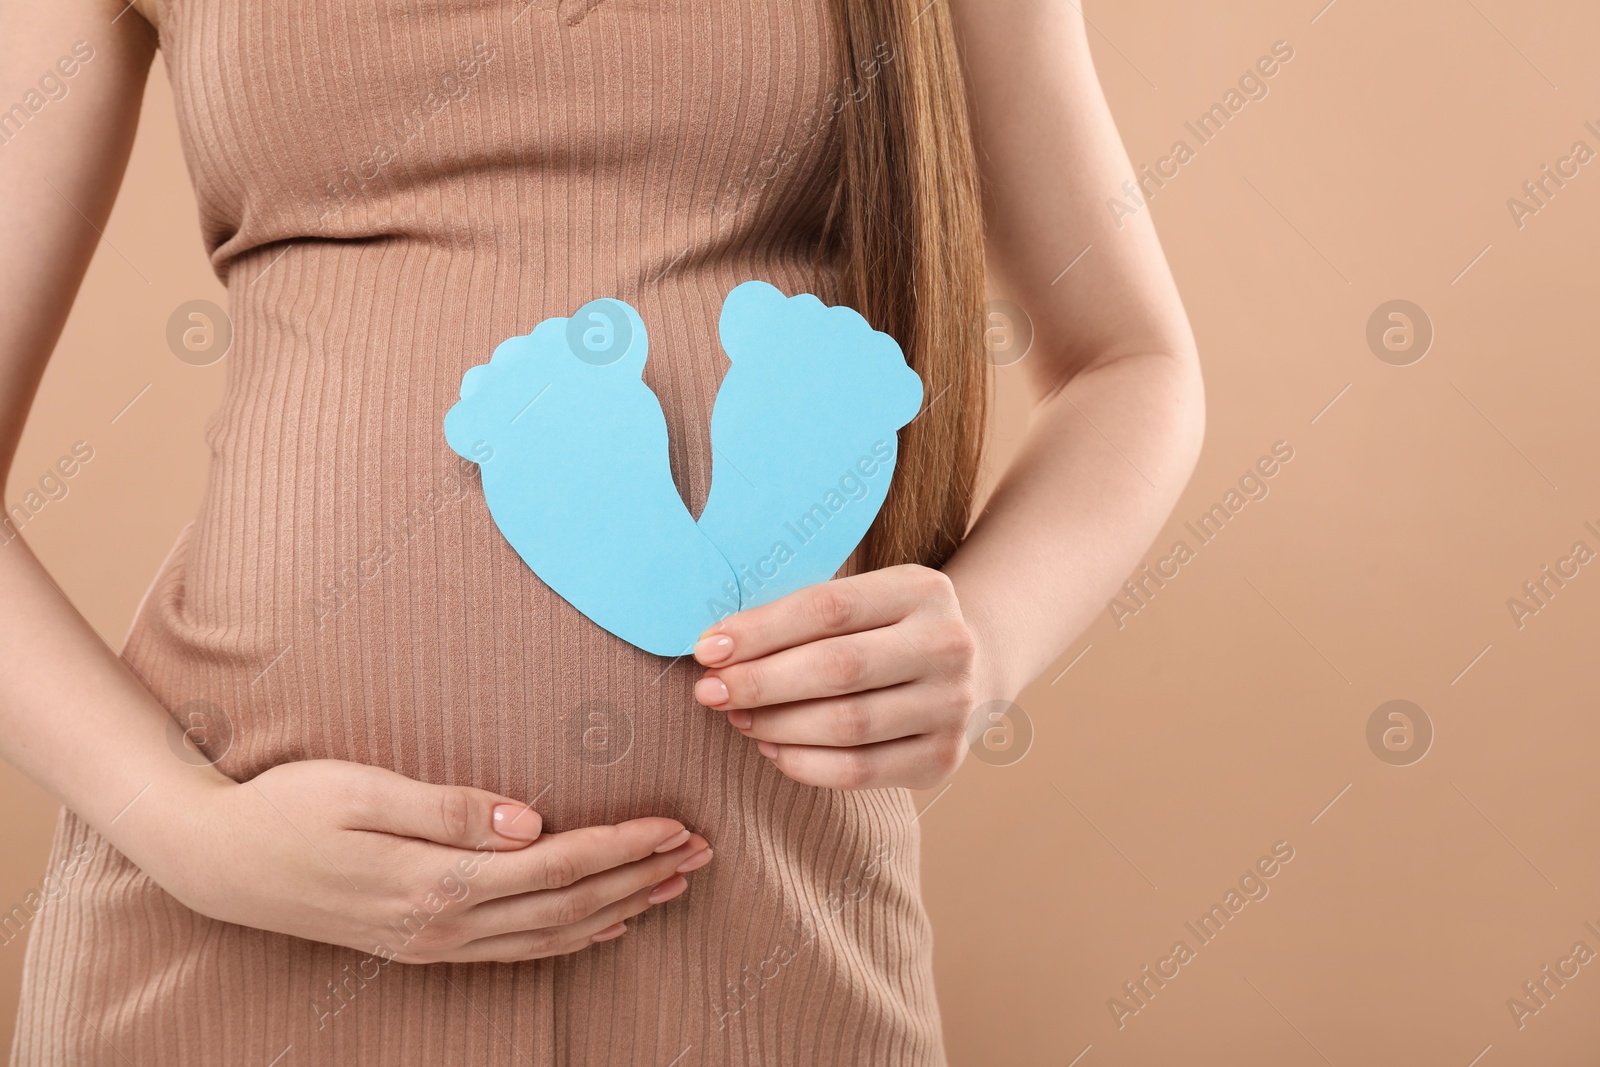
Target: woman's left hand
(858, 683)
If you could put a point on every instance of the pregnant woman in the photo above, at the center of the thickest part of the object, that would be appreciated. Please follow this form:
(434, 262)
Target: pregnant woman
(361, 788)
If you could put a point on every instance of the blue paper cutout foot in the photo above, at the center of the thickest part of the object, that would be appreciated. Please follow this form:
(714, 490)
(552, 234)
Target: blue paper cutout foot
(573, 450)
(803, 437)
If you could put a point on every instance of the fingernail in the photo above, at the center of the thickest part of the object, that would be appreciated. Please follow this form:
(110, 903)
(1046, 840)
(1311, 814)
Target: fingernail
(713, 650)
(740, 720)
(695, 862)
(711, 691)
(614, 930)
(516, 821)
(668, 889)
(674, 841)
(768, 749)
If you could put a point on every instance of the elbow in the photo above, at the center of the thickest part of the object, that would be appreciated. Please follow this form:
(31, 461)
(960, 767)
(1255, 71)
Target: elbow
(1189, 401)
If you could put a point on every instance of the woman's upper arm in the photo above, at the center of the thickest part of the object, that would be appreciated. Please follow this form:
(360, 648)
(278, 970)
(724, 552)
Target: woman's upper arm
(1050, 158)
(74, 73)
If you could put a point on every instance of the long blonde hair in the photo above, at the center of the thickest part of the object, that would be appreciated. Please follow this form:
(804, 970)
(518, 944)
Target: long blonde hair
(906, 223)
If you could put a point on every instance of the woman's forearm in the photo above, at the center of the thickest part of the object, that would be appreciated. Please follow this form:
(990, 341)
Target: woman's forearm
(76, 720)
(1101, 466)
(1105, 458)
(72, 716)
(871, 680)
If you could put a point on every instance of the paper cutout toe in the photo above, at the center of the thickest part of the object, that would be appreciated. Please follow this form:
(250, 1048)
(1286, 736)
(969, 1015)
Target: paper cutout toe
(803, 437)
(573, 450)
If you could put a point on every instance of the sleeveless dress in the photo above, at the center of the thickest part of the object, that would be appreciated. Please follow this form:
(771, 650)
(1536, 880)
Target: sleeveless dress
(389, 188)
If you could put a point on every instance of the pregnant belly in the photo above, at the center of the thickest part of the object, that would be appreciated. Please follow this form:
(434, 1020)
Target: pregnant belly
(420, 643)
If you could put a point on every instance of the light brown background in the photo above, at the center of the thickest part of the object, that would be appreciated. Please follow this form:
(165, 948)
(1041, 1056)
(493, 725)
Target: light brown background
(1227, 714)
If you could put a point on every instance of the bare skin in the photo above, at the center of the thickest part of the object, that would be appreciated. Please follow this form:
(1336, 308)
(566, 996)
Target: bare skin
(864, 682)
(76, 720)
(870, 681)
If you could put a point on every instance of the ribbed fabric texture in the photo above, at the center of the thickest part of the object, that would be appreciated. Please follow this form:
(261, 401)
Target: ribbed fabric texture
(390, 188)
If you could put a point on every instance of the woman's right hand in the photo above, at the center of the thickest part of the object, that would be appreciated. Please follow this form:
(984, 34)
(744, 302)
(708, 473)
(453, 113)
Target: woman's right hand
(334, 852)
(366, 858)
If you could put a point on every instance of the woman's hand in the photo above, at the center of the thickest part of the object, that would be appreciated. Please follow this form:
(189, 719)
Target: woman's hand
(362, 857)
(857, 683)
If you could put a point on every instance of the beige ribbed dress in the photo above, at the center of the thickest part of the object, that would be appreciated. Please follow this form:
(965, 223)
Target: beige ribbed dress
(389, 189)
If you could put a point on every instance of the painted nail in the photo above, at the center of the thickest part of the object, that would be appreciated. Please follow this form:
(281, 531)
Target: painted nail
(668, 889)
(768, 749)
(740, 720)
(711, 691)
(614, 930)
(713, 650)
(695, 862)
(674, 841)
(516, 821)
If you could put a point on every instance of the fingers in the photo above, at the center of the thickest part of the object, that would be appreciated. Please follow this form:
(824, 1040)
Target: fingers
(911, 762)
(856, 719)
(830, 667)
(860, 683)
(604, 925)
(573, 904)
(456, 815)
(520, 928)
(828, 609)
(556, 861)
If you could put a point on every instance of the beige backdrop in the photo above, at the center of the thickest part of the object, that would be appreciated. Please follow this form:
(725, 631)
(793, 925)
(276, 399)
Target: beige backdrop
(1226, 711)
